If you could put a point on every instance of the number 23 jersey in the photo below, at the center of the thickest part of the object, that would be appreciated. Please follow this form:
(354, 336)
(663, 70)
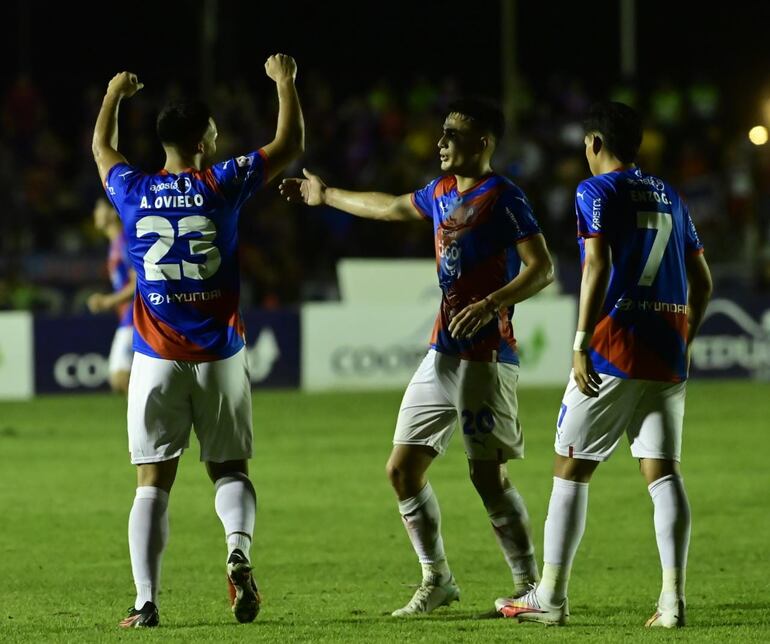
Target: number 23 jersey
(182, 233)
(642, 329)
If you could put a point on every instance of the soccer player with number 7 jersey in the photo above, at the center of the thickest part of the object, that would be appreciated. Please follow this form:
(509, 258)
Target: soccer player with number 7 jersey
(643, 295)
(190, 365)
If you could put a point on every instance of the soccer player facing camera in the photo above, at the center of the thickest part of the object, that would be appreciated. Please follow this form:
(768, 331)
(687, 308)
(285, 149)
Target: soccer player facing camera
(484, 230)
(643, 295)
(190, 367)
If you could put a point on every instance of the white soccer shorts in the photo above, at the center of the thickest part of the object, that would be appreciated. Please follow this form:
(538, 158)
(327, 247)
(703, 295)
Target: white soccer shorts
(481, 396)
(650, 413)
(122, 349)
(168, 397)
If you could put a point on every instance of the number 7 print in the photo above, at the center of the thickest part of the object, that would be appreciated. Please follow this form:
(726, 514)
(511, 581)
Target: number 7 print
(662, 223)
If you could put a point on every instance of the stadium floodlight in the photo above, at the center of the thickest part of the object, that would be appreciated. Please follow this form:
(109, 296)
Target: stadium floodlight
(758, 135)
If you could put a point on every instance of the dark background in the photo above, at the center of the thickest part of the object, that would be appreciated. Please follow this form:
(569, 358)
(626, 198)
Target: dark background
(67, 47)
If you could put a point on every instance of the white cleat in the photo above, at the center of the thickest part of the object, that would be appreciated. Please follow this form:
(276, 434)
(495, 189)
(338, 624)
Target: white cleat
(528, 608)
(429, 596)
(669, 614)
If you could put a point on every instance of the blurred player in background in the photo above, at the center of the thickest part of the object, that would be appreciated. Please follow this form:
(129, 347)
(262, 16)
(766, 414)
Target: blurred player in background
(190, 362)
(484, 229)
(123, 280)
(637, 320)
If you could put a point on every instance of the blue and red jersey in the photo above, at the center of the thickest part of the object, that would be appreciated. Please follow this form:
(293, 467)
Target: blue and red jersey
(119, 268)
(182, 233)
(476, 232)
(642, 329)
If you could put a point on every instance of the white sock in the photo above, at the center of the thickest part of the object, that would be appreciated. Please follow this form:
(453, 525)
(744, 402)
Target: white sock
(236, 504)
(147, 537)
(510, 523)
(436, 573)
(564, 527)
(422, 520)
(672, 530)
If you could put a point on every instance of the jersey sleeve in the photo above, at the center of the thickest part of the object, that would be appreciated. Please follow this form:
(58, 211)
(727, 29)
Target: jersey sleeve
(241, 177)
(423, 199)
(519, 222)
(692, 242)
(121, 178)
(591, 202)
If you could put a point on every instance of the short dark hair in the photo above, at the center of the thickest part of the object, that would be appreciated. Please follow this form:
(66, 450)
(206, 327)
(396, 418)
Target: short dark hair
(484, 112)
(619, 126)
(183, 122)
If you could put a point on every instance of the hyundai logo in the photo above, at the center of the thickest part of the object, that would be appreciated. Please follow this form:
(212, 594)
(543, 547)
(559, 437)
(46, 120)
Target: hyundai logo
(156, 298)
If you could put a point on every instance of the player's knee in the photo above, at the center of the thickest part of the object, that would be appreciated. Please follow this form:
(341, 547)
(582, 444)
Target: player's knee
(487, 478)
(653, 469)
(405, 482)
(160, 474)
(395, 473)
(574, 469)
(232, 469)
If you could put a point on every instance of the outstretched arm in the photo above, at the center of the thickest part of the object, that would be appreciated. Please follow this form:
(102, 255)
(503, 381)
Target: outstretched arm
(101, 302)
(105, 142)
(289, 141)
(371, 205)
(593, 288)
(537, 274)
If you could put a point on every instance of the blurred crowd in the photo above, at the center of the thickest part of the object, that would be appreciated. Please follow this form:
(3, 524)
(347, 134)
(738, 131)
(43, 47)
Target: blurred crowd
(380, 139)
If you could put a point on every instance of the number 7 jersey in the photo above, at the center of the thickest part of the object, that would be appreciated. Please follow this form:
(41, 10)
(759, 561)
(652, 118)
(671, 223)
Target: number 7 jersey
(642, 329)
(182, 233)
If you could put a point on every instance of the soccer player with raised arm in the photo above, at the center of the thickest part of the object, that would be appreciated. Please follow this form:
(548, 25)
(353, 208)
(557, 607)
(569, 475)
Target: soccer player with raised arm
(123, 279)
(643, 295)
(484, 230)
(189, 366)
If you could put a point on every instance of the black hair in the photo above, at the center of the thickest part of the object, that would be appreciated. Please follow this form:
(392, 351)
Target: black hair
(183, 122)
(619, 127)
(485, 113)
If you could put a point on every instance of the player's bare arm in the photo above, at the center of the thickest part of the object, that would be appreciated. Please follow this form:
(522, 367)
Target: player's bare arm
(593, 287)
(102, 302)
(105, 142)
(537, 274)
(289, 141)
(312, 191)
(698, 294)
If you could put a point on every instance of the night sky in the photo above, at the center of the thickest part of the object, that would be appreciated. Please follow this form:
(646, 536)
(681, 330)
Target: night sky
(353, 44)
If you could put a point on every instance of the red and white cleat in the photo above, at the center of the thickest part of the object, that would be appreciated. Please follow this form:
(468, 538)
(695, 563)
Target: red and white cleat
(528, 608)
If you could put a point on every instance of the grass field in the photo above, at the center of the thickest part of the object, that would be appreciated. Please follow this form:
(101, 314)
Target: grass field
(332, 557)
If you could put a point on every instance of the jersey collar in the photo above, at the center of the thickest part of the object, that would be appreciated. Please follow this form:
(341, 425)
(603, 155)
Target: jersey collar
(479, 183)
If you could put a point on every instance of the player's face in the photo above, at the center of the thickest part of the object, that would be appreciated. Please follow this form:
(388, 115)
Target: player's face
(460, 146)
(209, 141)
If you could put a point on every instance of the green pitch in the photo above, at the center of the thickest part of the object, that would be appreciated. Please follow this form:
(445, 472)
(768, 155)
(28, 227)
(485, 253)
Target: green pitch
(331, 556)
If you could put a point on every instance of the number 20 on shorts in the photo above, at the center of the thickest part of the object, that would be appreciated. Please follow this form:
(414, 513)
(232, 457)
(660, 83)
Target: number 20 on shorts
(483, 421)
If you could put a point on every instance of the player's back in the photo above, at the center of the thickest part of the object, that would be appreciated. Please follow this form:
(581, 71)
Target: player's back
(182, 233)
(649, 231)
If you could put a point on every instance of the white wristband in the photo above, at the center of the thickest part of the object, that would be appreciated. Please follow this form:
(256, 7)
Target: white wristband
(582, 341)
